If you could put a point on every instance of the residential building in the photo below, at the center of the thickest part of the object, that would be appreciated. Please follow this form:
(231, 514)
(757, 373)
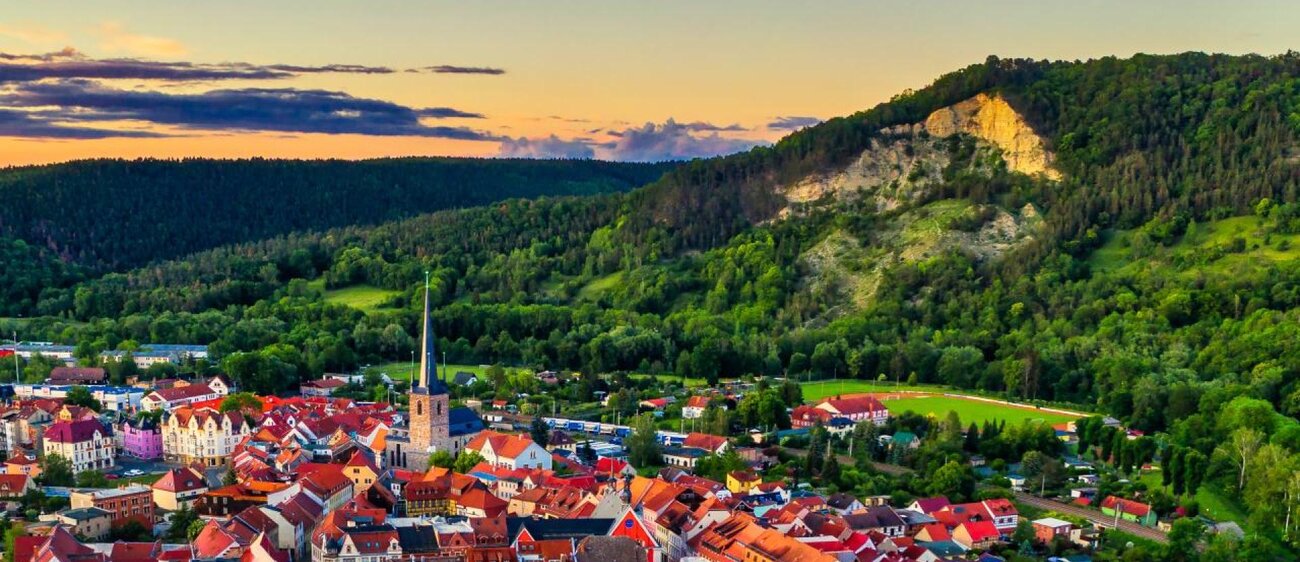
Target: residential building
(77, 376)
(179, 486)
(322, 387)
(1049, 529)
(510, 451)
(696, 405)
(1129, 510)
(168, 399)
(86, 443)
(742, 481)
(202, 435)
(126, 503)
(142, 439)
(15, 485)
(857, 409)
(24, 463)
(92, 523)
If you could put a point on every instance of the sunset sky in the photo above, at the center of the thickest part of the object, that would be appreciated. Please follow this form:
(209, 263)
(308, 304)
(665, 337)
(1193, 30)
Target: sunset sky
(606, 79)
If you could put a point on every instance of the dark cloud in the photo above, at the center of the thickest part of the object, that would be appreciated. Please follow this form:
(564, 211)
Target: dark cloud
(792, 122)
(286, 110)
(701, 126)
(670, 141)
(69, 63)
(551, 147)
(452, 69)
(448, 113)
(45, 125)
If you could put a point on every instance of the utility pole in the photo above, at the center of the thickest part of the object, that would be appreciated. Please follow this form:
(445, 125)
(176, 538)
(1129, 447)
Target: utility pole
(18, 379)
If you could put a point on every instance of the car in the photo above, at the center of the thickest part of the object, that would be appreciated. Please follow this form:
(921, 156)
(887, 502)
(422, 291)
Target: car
(134, 472)
(111, 477)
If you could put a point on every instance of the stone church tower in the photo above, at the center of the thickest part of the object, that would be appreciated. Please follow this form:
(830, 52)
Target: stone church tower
(429, 401)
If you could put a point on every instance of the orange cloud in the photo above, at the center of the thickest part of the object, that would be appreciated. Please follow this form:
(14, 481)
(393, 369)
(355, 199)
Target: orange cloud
(116, 39)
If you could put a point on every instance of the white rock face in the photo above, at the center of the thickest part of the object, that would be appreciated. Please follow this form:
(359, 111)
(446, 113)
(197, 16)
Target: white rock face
(992, 119)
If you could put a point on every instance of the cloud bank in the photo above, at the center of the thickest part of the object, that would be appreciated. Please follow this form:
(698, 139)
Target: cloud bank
(651, 142)
(79, 103)
(791, 123)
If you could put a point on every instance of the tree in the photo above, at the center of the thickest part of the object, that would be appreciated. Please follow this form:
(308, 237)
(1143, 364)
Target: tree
(131, 531)
(643, 443)
(540, 432)
(194, 529)
(586, 454)
(80, 396)
(13, 530)
(953, 480)
(442, 459)
(1184, 537)
(1241, 448)
(240, 401)
(91, 479)
(181, 520)
(56, 471)
(466, 461)
(230, 478)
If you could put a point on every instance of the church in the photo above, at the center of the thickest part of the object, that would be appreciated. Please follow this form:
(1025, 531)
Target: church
(432, 424)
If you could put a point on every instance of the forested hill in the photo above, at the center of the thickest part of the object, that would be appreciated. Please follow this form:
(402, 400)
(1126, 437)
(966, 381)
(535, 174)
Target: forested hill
(1122, 235)
(101, 215)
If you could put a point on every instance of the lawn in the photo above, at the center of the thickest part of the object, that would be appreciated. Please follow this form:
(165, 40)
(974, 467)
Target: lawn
(361, 297)
(400, 370)
(664, 378)
(594, 289)
(972, 410)
(817, 390)
(1116, 253)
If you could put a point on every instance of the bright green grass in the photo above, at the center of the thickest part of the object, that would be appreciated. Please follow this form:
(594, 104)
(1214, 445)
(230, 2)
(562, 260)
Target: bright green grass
(1213, 503)
(1116, 253)
(817, 390)
(361, 297)
(401, 370)
(597, 287)
(691, 382)
(971, 410)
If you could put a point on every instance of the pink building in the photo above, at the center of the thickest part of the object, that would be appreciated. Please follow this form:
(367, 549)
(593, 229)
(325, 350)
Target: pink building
(142, 439)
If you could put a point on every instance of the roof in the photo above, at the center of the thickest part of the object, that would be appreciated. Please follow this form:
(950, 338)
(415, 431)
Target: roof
(704, 441)
(854, 405)
(697, 402)
(76, 431)
(1052, 522)
(980, 530)
(463, 421)
(1130, 507)
(183, 479)
(183, 392)
(547, 529)
(507, 446)
(428, 381)
(85, 513)
(598, 548)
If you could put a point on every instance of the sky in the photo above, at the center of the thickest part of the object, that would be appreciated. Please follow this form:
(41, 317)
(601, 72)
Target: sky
(611, 79)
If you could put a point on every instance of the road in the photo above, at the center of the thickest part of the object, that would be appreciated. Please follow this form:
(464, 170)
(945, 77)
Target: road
(1095, 516)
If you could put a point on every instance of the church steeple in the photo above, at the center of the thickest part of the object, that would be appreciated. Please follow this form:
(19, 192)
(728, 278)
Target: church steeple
(429, 380)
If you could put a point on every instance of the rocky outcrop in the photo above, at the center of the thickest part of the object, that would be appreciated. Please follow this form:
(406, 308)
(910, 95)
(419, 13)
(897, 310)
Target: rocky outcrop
(992, 119)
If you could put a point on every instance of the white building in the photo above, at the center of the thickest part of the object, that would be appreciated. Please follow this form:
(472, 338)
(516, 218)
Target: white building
(87, 444)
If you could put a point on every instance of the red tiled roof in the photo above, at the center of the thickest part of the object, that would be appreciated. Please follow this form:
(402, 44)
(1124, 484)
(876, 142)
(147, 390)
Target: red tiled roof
(1130, 507)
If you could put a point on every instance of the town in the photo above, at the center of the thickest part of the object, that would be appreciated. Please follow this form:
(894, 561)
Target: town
(189, 468)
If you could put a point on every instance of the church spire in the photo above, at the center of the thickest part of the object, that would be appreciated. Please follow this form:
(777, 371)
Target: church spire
(428, 353)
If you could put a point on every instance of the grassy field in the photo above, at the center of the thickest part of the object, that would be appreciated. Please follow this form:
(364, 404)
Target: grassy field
(594, 289)
(360, 297)
(399, 370)
(817, 390)
(972, 410)
(1214, 504)
(691, 382)
(1116, 253)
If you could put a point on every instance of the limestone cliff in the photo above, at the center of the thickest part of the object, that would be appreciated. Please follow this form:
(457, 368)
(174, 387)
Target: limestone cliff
(992, 119)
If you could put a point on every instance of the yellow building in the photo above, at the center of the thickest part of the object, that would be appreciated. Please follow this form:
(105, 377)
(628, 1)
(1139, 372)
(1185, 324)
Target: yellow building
(742, 481)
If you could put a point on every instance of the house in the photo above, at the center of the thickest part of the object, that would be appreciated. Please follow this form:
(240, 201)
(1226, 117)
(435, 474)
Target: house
(203, 435)
(844, 503)
(464, 378)
(881, 519)
(77, 376)
(711, 444)
(976, 535)
(1129, 510)
(1049, 529)
(126, 503)
(548, 377)
(630, 526)
(742, 481)
(322, 387)
(696, 405)
(683, 457)
(510, 451)
(361, 470)
(15, 485)
(168, 399)
(92, 523)
(142, 439)
(857, 409)
(86, 443)
(179, 486)
(24, 463)
(220, 385)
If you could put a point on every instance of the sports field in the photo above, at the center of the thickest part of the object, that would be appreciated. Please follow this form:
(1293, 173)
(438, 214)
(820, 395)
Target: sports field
(973, 410)
(817, 390)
